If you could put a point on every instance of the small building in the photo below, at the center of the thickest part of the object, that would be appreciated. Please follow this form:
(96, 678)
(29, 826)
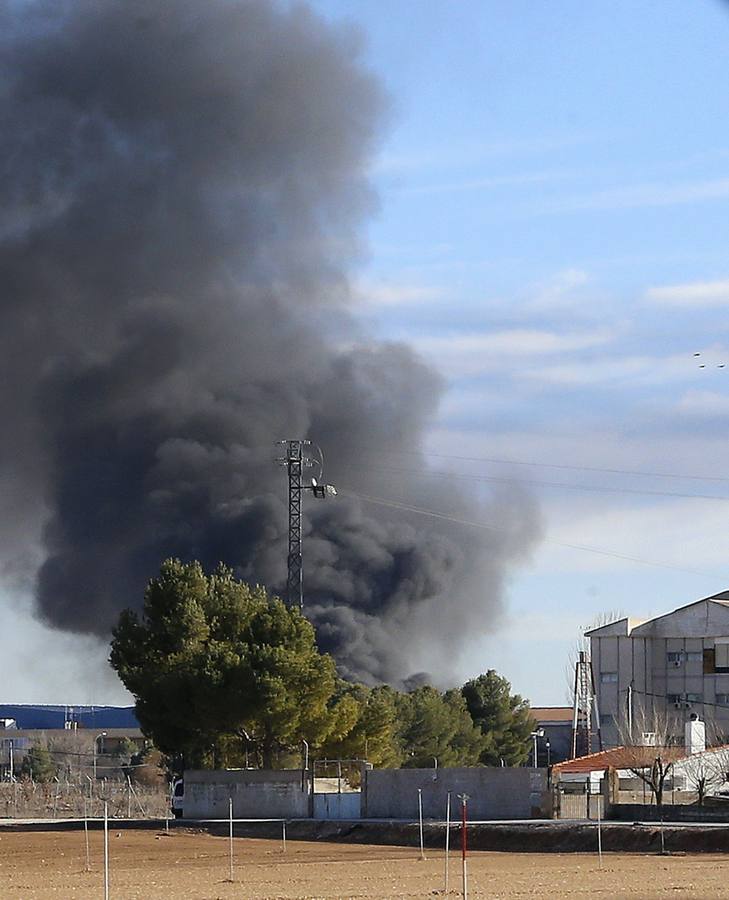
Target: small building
(556, 723)
(690, 769)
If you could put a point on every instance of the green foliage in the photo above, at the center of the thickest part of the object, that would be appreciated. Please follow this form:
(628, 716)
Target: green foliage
(504, 719)
(369, 731)
(211, 657)
(38, 764)
(437, 726)
(126, 750)
(224, 675)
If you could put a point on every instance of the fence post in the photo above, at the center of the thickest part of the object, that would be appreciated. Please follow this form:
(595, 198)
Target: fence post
(447, 837)
(106, 850)
(599, 832)
(86, 836)
(420, 820)
(230, 831)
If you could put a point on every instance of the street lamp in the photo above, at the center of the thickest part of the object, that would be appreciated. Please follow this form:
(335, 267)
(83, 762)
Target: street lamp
(100, 735)
(549, 753)
(534, 735)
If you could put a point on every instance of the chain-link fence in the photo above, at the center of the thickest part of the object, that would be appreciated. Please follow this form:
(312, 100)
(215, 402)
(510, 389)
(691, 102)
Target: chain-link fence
(59, 799)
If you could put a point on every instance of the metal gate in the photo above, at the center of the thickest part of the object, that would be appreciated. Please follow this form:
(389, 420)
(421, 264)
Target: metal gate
(572, 805)
(337, 786)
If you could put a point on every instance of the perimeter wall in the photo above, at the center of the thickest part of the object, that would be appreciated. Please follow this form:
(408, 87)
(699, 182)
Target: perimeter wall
(494, 793)
(256, 794)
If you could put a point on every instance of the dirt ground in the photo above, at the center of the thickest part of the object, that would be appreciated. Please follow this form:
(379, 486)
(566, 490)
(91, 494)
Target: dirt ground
(150, 865)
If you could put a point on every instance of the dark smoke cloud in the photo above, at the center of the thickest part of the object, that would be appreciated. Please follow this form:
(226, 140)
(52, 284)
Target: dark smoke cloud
(181, 188)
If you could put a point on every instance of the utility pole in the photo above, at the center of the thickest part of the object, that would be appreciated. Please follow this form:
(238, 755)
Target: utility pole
(296, 460)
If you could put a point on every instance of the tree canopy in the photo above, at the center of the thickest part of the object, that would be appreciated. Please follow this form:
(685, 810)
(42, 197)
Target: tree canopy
(503, 718)
(38, 764)
(435, 726)
(222, 672)
(211, 657)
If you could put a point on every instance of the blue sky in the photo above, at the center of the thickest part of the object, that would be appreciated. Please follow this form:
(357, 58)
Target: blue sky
(552, 235)
(552, 230)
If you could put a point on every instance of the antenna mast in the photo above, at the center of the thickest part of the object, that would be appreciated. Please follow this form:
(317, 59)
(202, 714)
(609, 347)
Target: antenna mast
(295, 461)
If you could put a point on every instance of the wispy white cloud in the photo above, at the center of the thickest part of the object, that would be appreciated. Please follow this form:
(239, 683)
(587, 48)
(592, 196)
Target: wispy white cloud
(703, 403)
(395, 293)
(474, 352)
(679, 532)
(615, 371)
(561, 291)
(486, 183)
(635, 196)
(447, 156)
(691, 294)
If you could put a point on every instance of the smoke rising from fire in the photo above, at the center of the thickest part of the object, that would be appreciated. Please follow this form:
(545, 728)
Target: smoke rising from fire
(181, 191)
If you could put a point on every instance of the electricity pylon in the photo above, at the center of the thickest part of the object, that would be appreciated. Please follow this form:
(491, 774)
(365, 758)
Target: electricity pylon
(295, 461)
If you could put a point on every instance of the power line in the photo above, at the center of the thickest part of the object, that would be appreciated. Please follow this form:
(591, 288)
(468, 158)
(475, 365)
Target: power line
(603, 489)
(543, 465)
(665, 697)
(406, 507)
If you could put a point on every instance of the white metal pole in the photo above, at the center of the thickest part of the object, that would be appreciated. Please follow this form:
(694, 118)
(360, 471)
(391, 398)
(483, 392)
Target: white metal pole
(106, 850)
(86, 835)
(447, 837)
(283, 835)
(420, 819)
(230, 832)
(12, 763)
(599, 832)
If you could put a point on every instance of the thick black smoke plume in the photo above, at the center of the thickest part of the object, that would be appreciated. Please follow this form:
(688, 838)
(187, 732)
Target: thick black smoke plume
(180, 190)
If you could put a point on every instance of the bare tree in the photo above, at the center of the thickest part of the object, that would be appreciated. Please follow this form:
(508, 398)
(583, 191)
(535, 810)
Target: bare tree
(649, 749)
(705, 772)
(582, 644)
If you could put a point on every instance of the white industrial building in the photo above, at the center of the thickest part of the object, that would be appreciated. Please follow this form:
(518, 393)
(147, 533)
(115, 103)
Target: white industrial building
(664, 669)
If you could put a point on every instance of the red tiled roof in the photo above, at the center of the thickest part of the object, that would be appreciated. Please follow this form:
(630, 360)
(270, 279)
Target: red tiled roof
(619, 758)
(552, 713)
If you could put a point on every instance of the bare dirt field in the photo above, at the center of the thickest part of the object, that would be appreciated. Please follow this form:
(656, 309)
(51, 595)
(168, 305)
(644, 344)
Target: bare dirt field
(185, 864)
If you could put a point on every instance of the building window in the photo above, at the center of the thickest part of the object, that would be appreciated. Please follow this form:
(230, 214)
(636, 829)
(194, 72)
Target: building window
(694, 698)
(607, 719)
(674, 698)
(608, 677)
(694, 656)
(722, 699)
(721, 657)
(674, 657)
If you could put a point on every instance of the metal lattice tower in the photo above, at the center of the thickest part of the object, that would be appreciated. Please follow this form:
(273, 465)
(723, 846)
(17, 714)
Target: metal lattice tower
(584, 705)
(295, 461)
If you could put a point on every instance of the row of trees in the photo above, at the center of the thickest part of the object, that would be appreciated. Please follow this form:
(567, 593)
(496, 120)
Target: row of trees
(223, 674)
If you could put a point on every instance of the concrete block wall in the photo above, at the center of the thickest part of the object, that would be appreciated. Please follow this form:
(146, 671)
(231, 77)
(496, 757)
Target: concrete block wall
(256, 793)
(494, 793)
